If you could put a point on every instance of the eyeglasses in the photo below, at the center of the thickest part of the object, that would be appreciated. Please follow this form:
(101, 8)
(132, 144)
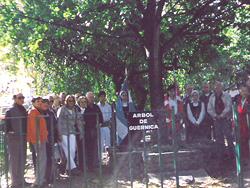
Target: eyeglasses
(21, 97)
(71, 101)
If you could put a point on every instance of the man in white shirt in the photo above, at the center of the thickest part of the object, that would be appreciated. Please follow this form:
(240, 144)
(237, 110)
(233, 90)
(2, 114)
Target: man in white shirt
(107, 115)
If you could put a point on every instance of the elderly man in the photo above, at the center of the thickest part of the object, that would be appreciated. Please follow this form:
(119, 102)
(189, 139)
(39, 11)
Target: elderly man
(16, 119)
(92, 117)
(219, 108)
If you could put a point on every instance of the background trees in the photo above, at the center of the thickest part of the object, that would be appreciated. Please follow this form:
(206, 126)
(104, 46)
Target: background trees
(81, 44)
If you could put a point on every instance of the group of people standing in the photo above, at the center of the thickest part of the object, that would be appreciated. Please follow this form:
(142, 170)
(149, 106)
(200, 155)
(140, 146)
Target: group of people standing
(64, 123)
(208, 114)
(66, 120)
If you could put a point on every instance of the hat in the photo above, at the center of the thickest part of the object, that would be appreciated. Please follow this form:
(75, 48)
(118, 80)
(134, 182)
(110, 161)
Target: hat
(195, 91)
(121, 92)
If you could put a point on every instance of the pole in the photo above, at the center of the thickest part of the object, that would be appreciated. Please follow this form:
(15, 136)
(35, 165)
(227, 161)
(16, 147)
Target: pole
(68, 147)
(37, 149)
(114, 144)
(6, 155)
(99, 147)
(85, 175)
(145, 158)
(130, 159)
(160, 153)
(237, 147)
(175, 143)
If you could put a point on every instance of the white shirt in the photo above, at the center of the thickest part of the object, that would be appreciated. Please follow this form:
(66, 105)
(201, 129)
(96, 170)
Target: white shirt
(106, 111)
(173, 103)
(82, 110)
(191, 116)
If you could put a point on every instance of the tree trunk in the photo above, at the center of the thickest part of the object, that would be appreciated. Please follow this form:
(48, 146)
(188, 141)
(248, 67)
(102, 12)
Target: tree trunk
(155, 71)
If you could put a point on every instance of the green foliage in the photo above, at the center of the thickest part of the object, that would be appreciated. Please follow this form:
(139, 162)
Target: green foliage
(76, 46)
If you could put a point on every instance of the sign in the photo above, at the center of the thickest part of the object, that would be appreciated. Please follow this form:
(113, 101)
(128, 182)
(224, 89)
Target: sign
(138, 121)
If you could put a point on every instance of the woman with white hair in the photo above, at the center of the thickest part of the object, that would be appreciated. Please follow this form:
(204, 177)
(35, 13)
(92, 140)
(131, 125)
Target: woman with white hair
(196, 115)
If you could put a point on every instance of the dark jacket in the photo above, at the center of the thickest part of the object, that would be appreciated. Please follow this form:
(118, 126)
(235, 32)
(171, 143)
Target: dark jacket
(16, 120)
(90, 116)
(51, 122)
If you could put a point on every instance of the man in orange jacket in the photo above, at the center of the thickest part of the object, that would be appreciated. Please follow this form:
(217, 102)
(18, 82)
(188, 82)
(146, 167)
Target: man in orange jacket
(37, 135)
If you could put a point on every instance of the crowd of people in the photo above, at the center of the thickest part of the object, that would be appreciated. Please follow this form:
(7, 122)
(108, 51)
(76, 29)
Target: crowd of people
(208, 114)
(65, 120)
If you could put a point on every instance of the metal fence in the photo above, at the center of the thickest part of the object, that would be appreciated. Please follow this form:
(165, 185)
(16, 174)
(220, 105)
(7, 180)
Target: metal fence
(107, 173)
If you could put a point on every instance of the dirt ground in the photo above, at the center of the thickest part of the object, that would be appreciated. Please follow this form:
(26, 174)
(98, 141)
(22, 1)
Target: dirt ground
(187, 179)
(211, 176)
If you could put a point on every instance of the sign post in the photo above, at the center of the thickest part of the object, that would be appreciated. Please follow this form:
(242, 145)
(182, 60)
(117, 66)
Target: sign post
(143, 122)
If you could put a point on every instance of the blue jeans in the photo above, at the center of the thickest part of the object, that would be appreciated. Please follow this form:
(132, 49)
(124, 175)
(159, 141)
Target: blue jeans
(223, 130)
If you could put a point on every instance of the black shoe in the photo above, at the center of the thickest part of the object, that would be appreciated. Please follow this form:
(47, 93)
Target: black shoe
(75, 172)
(44, 185)
(27, 184)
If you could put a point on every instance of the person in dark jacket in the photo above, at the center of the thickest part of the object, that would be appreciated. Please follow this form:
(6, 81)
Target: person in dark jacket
(53, 137)
(92, 116)
(16, 125)
(208, 123)
(80, 106)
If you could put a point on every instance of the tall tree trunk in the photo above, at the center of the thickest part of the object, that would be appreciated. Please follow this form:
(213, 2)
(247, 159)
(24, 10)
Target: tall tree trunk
(155, 70)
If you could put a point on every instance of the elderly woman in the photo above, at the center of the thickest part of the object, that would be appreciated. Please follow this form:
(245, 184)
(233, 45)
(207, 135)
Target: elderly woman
(82, 104)
(196, 114)
(69, 123)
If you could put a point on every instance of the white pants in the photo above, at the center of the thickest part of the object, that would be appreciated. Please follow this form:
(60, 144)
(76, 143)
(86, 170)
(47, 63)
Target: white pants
(105, 138)
(72, 150)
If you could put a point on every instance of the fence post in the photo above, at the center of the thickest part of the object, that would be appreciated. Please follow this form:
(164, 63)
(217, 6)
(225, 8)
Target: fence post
(68, 159)
(113, 133)
(99, 148)
(22, 158)
(175, 143)
(37, 149)
(85, 176)
(160, 148)
(237, 147)
(145, 152)
(51, 147)
(130, 159)
(6, 159)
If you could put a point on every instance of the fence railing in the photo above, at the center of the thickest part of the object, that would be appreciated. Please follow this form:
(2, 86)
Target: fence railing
(119, 157)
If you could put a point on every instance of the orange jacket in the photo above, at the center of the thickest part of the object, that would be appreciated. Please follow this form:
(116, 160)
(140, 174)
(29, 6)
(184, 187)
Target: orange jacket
(34, 119)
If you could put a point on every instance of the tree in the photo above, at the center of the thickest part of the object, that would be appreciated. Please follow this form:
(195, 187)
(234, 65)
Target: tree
(150, 37)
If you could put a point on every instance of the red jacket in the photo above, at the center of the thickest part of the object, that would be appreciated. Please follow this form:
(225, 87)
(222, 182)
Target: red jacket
(242, 110)
(169, 109)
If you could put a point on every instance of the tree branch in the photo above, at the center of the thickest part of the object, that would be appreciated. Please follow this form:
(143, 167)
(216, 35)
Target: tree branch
(140, 6)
